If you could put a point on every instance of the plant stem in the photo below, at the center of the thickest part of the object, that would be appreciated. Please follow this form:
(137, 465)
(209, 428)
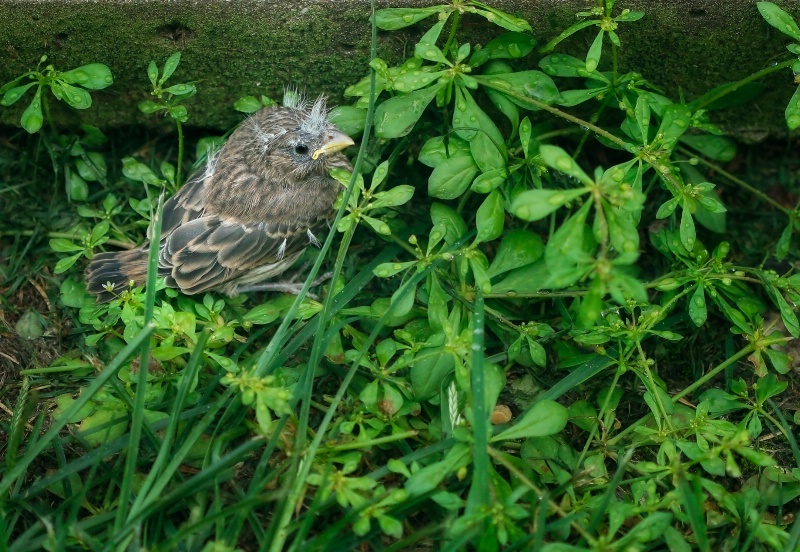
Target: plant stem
(724, 90)
(738, 181)
(180, 154)
(699, 383)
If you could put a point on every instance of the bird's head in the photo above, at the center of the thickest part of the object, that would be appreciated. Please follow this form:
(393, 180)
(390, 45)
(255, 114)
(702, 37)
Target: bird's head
(297, 139)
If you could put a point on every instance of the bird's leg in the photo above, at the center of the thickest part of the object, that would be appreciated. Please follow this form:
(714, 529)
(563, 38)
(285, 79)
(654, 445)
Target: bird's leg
(293, 285)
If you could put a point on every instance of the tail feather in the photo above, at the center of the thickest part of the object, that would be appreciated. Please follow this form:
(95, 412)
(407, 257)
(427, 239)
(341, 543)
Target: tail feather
(109, 274)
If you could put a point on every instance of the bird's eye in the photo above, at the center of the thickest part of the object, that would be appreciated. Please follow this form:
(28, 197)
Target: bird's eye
(301, 149)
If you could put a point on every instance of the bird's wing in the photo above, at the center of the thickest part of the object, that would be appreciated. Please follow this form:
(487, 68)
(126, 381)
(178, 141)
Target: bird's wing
(209, 252)
(187, 204)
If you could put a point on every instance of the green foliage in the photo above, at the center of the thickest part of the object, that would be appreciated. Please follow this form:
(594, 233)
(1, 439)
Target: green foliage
(70, 87)
(544, 329)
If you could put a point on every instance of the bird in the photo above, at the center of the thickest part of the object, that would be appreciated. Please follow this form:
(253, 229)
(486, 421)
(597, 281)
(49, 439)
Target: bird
(248, 214)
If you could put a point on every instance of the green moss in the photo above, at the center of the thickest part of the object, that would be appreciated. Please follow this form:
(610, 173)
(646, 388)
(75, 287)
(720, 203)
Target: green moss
(231, 49)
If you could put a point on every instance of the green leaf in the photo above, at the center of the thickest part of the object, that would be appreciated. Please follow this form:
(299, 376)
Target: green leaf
(65, 264)
(73, 293)
(60, 245)
(569, 31)
(152, 73)
(430, 368)
(718, 148)
(431, 52)
(543, 418)
(490, 218)
(93, 76)
(560, 160)
(792, 113)
(350, 120)
(452, 178)
(398, 195)
(595, 51)
(93, 170)
(446, 217)
(563, 65)
(698, 310)
(32, 118)
(248, 104)
(14, 94)
(489, 180)
(169, 67)
(507, 46)
(149, 106)
(522, 85)
(439, 149)
(687, 229)
(537, 204)
(77, 189)
(384, 270)
(785, 241)
(469, 120)
(397, 116)
(182, 89)
(499, 18)
(530, 278)
(518, 248)
(429, 477)
(779, 19)
(391, 19)
(75, 97)
(263, 314)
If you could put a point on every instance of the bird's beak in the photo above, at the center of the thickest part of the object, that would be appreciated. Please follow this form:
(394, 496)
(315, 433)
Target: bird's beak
(337, 141)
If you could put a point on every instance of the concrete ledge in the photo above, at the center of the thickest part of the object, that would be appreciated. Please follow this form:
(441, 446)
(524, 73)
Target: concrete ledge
(235, 48)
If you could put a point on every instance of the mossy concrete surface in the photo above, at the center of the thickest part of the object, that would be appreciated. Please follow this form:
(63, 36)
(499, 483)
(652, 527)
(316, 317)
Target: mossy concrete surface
(252, 47)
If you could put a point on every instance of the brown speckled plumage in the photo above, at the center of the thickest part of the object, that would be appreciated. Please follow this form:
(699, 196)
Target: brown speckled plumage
(248, 214)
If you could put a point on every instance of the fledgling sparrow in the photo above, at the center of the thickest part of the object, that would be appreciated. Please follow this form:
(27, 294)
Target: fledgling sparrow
(248, 214)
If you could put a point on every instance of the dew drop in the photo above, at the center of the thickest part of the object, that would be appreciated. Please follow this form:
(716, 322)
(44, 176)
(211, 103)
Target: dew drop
(397, 266)
(408, 18)
(523, 212)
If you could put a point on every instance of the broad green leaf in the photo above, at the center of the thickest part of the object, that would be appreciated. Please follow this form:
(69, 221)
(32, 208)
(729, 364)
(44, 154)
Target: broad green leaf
(169, 67)
(595, 51)
(718, 148)
(508, 46)
(93, 76)
(397, 116)
(182, 89)
(32, 118)
(543, 418)
(687, 229)
(65, 264)
(446, 217)
(429, 477)
(452, 178)
(779, 19)
(469, 120)
(391, 19)
(251, 104)
(698, 310)
(385, 270)
(74, 96)
(522, 85)
(94, 168)
(77, 189)
(571, 98)
(61, 245)
(792, 113)
(499, 18)
(560, 160)
(431, 52)
(490, 218)
(518, 248)
(488, 181)
(674, 122)
(14, 94)
(149, 106)
(537, 204)
(429, 370)
(348, 119)
(398, 195)
(563, 65)
(530, 278)
(439, 149)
